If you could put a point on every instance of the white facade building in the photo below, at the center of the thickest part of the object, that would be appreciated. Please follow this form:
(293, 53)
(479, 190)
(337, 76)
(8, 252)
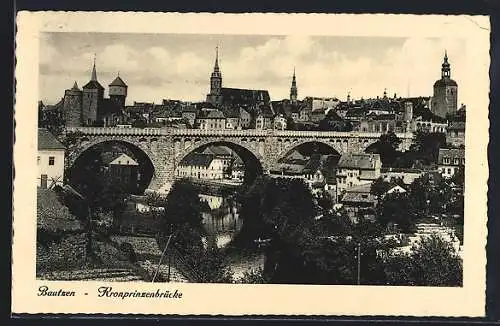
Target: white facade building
(50, 160)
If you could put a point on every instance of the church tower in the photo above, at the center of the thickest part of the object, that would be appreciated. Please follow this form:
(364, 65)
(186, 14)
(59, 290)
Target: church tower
(444, 100)
(214, 96)
(93, 95)
(293, 89)
(72, 106)
(118, 91)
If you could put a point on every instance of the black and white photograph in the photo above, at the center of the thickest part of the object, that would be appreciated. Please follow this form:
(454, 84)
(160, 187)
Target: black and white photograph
(253, 158)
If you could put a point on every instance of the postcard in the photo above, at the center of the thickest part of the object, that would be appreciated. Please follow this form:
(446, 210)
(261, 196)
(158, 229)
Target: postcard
(250, 164)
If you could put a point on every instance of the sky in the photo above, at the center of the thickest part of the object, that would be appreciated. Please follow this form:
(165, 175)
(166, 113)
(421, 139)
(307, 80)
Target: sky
(178, 66)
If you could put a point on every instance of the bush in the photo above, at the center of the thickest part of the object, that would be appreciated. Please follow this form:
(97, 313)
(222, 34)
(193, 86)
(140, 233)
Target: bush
(129, 251)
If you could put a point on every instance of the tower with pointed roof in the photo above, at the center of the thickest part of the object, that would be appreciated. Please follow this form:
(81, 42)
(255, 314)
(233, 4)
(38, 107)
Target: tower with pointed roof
(72, 106)
(293, 88)
(118, 91)
(444, 99)
(93, 95)
(214, 96)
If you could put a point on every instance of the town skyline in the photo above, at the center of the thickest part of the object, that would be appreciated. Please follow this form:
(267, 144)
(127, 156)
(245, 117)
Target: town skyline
(179, 66)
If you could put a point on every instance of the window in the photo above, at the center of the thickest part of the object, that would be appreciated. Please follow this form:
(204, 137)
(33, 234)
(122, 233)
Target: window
(38, 160)
(446, 160)
(52, 160)
(449, 170)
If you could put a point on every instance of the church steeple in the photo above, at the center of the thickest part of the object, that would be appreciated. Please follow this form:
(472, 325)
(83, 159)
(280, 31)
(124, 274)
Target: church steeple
(215, 80)
(94, 73)
(293, 89)
(216, 65)
(445, 67)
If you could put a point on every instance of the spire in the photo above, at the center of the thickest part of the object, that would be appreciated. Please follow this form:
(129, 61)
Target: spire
(75, 85)
(216, 65)
(293, 89)
(445, 67)
(94, 73)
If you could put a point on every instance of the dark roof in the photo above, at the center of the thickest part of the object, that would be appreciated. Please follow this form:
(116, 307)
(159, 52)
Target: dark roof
(358, 161)
(118, 82)
(445, 81)
(211, 114)
(313, 164)
(238, 96)
(197, 159)
(52, 215)
(266, 111)
(358, 197)
(48, 141)
(93, 84)
(217, 151)
(456, 125)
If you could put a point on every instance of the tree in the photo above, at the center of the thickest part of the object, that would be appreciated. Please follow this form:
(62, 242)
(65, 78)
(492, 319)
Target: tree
(433, 262)
(379, 187)
(426, 146)
(387, 146)
(397, 208)
(182, 217)
(209, 265)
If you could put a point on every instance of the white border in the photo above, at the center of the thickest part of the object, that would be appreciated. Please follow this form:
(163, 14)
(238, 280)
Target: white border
(252, 299)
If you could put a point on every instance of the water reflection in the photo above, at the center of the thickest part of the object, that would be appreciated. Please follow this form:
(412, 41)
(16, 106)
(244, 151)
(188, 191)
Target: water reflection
(220, 218)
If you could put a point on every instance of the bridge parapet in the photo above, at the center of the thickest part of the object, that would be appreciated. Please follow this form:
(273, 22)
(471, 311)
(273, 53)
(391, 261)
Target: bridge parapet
(229, 133)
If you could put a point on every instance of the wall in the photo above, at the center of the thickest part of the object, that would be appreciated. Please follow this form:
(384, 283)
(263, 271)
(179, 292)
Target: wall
(68, 252)
(53, 172)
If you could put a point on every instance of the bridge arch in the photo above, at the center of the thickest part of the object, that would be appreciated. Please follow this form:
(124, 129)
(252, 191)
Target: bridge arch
(250, 152)
(82, 160)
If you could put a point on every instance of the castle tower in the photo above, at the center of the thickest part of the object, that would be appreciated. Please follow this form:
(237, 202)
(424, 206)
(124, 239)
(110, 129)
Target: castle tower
(214, 96)
(118, 91)
(93, 94)
(444, 100)
(293, 88)
(72, 106)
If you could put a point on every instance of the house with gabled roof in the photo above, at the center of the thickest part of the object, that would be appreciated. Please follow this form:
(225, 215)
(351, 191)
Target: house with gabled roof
(50, 160)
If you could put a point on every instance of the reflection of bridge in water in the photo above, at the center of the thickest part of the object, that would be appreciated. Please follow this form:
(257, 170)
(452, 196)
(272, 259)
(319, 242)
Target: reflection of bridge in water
(260, 150)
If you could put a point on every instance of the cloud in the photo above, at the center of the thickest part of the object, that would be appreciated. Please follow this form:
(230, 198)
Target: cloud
(324, 67)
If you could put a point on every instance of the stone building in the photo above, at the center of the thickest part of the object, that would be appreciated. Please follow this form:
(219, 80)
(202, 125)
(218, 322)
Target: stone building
(211, 119)
(357, 169)
(50, 160)
(88, 107)
(201, 166)
(226, 98)
(450, 161)
(444, 100)
(455, 133)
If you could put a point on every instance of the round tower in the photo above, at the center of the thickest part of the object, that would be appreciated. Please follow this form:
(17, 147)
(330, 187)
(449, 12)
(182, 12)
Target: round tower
(72, 106)
(444, 99)
(118, 91)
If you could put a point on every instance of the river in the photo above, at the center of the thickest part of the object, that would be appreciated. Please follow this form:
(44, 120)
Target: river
(222, 223)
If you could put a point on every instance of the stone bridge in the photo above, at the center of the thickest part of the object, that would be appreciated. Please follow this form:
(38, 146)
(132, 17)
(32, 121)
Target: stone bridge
(165, 148)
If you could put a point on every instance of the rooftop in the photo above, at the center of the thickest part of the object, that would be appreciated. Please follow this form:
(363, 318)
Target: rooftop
(197, 159)
(47, 140)
(52, 215)
(118, 82)
(359, 161)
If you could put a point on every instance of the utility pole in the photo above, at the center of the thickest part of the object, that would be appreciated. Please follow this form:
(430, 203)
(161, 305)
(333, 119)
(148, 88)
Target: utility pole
(161, 259)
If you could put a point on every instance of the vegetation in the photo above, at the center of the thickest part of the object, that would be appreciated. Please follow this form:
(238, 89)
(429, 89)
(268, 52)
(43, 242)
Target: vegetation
(183, 220)
(431, 263)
